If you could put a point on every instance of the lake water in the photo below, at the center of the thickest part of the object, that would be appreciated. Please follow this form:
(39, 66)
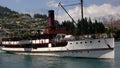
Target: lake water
(23, 61)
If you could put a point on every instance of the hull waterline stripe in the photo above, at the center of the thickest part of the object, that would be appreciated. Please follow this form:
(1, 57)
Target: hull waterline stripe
(63, 50)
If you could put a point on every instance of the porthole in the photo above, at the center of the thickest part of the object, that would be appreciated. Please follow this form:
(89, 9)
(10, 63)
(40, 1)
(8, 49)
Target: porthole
(90, 41)
(85, 42)
(99, 41)
(81, 42)
(70, 43)
(76, 42)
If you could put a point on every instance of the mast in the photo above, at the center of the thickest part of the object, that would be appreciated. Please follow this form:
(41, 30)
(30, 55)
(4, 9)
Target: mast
(81, 9)
(75, 24)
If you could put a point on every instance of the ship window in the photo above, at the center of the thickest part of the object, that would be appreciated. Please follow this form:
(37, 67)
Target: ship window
(63, 36)
(81, 42)
(90, 41)
(70, 43)
(85, 42)
(76, 42)
(99, 41)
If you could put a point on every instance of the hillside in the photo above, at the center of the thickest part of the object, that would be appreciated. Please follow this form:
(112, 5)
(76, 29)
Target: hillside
(12, 21)
(6, 12)
(115, 24)
(14, 24)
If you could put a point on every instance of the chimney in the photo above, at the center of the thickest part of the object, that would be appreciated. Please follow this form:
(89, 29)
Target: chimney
(51, 24)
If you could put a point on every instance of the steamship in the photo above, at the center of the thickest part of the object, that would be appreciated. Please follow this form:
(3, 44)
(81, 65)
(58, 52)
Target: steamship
(60, 43)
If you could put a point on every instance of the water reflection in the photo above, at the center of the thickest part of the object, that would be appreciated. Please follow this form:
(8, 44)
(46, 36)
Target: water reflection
(22, 61)
(52, 62)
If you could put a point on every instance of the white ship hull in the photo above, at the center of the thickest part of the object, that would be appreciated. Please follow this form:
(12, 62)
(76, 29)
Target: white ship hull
(101, 54)
(88, 48)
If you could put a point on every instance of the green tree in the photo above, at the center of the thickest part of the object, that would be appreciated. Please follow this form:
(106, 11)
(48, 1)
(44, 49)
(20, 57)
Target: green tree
(117, 35)
(69, 26)
(40, 16)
